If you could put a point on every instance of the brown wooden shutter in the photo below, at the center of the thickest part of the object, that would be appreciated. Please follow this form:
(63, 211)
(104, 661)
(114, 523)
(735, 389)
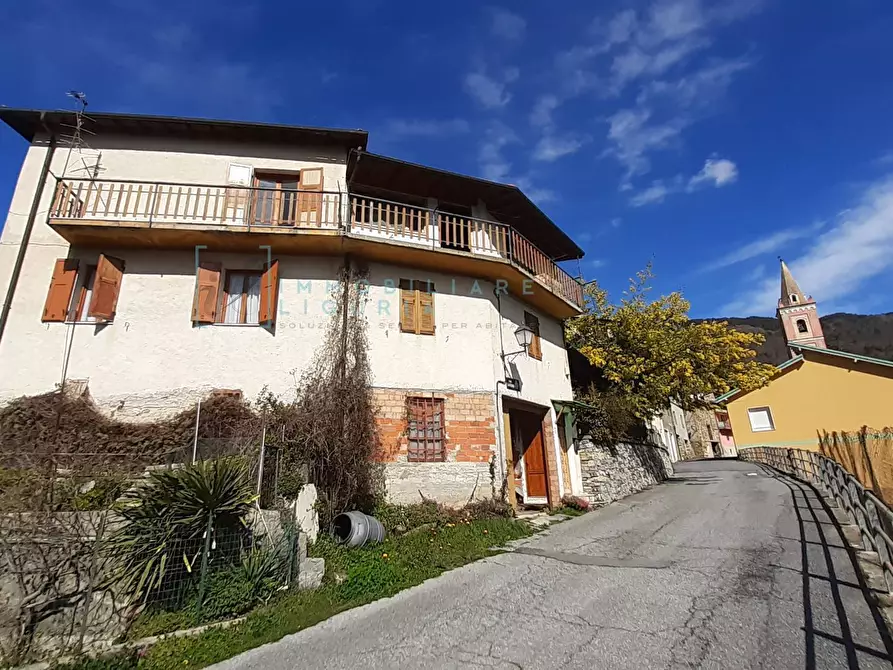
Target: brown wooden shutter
(269, 294)
(106, 287)
(536, 348)
(425, 295)
(65, 274)
(409, 303)
(207, 288)
(310, 204)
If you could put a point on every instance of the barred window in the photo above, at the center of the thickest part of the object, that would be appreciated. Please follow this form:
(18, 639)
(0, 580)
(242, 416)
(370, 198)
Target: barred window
(425, 429)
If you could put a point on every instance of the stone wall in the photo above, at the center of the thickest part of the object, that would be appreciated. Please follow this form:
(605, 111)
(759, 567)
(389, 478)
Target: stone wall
(611, 473)
(469, 445)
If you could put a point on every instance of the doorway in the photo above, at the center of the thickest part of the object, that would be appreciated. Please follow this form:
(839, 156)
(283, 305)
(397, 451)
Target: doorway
(529, 457)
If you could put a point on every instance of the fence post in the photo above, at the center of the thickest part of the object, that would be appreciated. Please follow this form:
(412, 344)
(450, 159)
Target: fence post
(203, 577)
(91, 580)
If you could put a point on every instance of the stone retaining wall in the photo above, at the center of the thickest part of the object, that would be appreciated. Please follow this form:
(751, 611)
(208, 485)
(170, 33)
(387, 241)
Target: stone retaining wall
(611, 473)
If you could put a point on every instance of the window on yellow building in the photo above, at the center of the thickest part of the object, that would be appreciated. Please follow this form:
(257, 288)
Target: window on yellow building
(760, 419)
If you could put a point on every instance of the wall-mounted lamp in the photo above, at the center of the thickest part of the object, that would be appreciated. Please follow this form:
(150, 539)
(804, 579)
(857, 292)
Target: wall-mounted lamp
(524, 335)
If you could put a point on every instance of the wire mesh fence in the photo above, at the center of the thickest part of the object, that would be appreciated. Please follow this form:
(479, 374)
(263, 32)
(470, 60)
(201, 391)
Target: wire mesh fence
(79, 568)
(867, 454)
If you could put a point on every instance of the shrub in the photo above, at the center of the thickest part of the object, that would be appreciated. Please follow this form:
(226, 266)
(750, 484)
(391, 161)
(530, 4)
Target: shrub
(488, 509)
(166, 519)
(573, 502)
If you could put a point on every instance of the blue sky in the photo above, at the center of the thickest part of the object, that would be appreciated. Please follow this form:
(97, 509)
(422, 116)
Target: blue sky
(706, 136)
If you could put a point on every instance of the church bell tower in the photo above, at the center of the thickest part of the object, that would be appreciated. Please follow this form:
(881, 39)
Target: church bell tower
(798, 314)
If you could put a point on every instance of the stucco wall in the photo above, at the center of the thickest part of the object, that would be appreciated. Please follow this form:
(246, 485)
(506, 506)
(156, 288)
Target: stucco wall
(152, 354)
(836, 394)
(152, 361)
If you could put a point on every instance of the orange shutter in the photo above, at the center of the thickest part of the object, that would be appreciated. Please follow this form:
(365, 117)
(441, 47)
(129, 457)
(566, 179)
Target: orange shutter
(536, 348)
(409, 321)
(310, 204)
(426, 309)
(269, 294)
(65, 274)
(106, 287)
(207, 288)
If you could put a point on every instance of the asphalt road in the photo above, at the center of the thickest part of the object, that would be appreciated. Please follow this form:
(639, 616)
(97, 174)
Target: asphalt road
(725, 566)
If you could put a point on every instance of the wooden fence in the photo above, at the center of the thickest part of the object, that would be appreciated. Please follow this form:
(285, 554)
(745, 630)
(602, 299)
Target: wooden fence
(867, 454)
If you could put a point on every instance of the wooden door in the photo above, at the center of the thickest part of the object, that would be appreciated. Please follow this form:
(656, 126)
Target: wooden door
(534, 457)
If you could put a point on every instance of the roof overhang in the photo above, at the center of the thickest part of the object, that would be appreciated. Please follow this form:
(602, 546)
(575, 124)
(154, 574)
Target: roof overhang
(32, 123)
(506, 202)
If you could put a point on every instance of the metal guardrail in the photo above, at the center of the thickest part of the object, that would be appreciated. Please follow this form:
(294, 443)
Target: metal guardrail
(868, 512)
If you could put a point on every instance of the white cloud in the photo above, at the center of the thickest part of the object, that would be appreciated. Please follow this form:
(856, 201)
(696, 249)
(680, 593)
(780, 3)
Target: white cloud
(426, 127)
(839, 262)
(884, 159)
(507, 25)
(697, 89)
(550, 148)
(488, 91)
(596, 263)
(541, 115)
(716, 171)
(632, 137)
(491, 157)
(653, 194)
(764, 245)
(719, 171)
(652, 50)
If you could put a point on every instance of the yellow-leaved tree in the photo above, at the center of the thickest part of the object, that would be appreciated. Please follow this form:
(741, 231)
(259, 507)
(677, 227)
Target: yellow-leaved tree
(647, 352)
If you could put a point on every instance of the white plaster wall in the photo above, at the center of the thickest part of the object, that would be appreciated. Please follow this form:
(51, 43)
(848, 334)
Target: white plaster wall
(152, 359)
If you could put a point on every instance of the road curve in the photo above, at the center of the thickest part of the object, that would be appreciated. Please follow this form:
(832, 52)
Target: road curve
(724, 566)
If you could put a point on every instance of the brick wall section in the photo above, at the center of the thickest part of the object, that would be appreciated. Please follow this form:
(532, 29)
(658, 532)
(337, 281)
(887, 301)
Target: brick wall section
(551, 462)
(470, 442)
(469, 424)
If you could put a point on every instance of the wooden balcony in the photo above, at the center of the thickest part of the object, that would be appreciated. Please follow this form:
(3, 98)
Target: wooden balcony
(166, 215)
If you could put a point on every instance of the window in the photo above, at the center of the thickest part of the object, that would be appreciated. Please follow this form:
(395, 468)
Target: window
(241, 299)
(801, 326)
(416, 307)
(84, 293)
(425, 430)
(794, 298)
(760, 419)
(535, 350)
(249, 296)
(82, 296)
(288, 199)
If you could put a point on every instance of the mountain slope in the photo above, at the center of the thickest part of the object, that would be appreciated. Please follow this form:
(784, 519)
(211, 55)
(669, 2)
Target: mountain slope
(868, 335)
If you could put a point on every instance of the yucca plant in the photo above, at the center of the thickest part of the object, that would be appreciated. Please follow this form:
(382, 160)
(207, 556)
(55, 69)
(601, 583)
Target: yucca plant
(165, 522)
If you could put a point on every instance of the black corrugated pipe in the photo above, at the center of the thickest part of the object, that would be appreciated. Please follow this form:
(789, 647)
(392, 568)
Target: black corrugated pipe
(26, 236)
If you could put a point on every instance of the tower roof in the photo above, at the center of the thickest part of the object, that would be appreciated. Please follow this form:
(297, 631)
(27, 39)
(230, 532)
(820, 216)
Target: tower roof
(790, 291)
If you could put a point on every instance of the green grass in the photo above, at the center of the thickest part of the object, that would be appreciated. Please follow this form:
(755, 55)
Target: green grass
(568, 511)
(353, 577)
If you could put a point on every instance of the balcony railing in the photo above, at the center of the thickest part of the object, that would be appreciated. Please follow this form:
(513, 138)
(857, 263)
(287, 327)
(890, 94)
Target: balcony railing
(361, 216)
(397, 221)
(191, 203)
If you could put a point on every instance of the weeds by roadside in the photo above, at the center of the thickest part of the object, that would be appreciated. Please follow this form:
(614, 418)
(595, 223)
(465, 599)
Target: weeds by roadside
(425, 549)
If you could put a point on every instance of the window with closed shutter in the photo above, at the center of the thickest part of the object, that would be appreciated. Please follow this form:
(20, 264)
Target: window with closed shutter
(417, 307)
(425, 430)
(535, 350)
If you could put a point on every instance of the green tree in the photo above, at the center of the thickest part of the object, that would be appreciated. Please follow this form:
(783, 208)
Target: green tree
(649, 351)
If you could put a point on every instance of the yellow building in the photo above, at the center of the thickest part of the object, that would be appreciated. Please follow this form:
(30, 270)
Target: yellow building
(819, 389)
